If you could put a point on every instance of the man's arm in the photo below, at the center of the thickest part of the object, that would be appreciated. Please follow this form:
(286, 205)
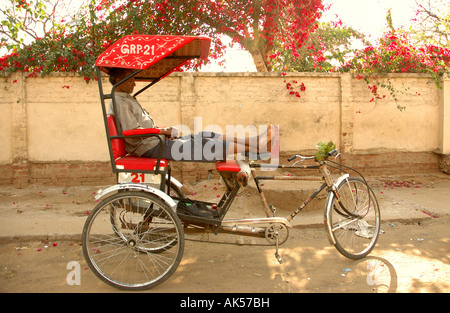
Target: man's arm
(169, 132)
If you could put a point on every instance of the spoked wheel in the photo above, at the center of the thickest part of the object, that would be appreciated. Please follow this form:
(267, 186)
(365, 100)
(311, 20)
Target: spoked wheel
(133, 240)
(353, 221)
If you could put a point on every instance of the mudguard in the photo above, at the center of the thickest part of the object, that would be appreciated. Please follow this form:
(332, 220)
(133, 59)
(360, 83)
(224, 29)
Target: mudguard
(328, 207)
(141, 187)
(175, 181)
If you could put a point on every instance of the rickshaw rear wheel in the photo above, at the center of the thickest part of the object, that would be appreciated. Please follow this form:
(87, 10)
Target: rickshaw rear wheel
(133, 240)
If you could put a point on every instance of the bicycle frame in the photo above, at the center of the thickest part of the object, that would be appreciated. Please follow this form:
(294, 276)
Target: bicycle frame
(326, 177)
(231, 192)
(268, 208)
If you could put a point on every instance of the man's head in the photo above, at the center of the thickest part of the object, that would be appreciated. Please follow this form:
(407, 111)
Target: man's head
(116, 74)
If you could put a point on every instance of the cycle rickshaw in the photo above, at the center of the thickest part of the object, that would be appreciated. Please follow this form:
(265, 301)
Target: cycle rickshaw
(134, 238)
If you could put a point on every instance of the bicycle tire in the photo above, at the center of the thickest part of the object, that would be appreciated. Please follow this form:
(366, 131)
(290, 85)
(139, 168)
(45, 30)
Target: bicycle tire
(353, 221)
(133, 240)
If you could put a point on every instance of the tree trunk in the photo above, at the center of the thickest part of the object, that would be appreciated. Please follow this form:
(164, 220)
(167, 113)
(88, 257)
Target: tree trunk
(260, 61)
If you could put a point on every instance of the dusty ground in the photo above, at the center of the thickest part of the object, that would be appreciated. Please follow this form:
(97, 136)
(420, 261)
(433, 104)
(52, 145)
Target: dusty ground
(41, 227)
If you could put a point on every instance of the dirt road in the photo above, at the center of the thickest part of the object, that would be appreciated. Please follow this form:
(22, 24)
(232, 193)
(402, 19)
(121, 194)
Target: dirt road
(412, 255)
(408, 258)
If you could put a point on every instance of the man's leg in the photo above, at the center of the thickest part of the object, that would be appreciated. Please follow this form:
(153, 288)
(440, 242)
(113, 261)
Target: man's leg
(257, 144)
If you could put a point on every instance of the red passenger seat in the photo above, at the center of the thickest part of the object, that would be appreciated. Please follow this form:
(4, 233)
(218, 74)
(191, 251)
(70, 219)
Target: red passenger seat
(121, 157)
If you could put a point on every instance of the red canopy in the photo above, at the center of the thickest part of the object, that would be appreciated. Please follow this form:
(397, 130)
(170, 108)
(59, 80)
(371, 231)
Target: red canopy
(157, 56)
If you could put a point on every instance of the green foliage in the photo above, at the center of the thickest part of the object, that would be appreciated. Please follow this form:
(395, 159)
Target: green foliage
(22, 19)
(326, 49)
(432, 23)
(323, 150)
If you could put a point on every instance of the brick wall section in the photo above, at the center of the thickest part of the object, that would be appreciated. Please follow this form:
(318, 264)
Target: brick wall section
(6, 174)
(99, 173)
(52, 132)
(71, 173)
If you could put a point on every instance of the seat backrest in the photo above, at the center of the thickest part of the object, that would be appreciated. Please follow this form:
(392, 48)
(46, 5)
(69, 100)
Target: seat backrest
(117, 145)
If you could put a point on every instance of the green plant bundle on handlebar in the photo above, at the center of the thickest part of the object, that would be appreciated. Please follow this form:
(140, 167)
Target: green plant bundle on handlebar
(324, 150)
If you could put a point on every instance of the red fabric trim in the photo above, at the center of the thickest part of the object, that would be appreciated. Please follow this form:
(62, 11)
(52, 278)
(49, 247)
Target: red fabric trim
(141, 131)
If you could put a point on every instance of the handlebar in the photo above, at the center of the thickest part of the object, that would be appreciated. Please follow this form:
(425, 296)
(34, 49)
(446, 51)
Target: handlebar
(300, 157)
(334, 152)
(297, 156)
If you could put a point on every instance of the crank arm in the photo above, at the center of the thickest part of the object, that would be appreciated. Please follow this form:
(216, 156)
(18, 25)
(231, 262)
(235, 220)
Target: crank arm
(276, 252)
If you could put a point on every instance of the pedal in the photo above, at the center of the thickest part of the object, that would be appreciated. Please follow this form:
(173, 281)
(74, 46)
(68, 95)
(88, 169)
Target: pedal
(278, 258)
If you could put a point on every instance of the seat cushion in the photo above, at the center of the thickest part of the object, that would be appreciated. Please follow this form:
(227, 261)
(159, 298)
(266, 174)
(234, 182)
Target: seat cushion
(117, 145)
(228, 166)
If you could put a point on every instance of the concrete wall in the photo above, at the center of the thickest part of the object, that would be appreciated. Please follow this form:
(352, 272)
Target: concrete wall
(51, 128)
